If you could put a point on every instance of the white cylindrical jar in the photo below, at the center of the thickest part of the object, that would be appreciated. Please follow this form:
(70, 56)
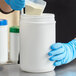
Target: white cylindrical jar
(14, 44)
(37, 34)
(3, 41)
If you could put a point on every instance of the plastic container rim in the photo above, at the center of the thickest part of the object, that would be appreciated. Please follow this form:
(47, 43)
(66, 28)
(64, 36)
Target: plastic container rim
(44, 15)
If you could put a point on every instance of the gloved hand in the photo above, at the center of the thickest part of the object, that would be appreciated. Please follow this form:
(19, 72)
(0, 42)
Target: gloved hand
(63, 53)
(16, 4)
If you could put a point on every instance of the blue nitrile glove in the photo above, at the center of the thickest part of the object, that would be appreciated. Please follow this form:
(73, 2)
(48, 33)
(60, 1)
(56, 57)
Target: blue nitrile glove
(63, 53)
(16, 4)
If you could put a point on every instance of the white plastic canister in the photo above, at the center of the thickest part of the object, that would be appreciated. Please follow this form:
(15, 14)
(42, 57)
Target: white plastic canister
(14, 44)
(37, 34)
(3, 41)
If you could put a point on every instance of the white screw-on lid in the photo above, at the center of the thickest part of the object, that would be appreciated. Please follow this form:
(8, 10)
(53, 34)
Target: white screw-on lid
(3, 22)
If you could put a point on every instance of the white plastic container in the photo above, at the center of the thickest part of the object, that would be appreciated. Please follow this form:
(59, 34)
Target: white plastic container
(3, 41)
(14, 44)
(37, 34)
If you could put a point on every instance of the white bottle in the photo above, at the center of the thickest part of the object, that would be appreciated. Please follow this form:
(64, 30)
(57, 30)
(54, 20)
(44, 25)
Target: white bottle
(37, 34)
(14, 44)
(3, 41)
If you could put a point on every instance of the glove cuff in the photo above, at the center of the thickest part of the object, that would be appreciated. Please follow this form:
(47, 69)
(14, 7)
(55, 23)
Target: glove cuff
(73, 47)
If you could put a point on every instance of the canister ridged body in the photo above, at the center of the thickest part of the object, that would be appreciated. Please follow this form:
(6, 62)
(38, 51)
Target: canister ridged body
(37, 34)
(3, 44)
(14, 47)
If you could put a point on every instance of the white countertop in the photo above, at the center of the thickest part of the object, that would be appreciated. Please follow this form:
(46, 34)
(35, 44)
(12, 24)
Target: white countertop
(14, 70)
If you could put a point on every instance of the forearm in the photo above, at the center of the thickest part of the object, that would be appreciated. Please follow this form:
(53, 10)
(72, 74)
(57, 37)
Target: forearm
(16, 4)
(4, 6)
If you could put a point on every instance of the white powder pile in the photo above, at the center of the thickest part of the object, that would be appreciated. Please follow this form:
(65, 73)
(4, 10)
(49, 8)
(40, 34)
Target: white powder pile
(34, 8)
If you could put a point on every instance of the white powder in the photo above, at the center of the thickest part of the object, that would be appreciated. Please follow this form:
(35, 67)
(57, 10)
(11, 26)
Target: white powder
(34, 8)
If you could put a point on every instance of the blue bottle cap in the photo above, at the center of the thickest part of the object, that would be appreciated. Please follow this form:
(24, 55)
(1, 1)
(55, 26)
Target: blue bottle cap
(3, 22)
